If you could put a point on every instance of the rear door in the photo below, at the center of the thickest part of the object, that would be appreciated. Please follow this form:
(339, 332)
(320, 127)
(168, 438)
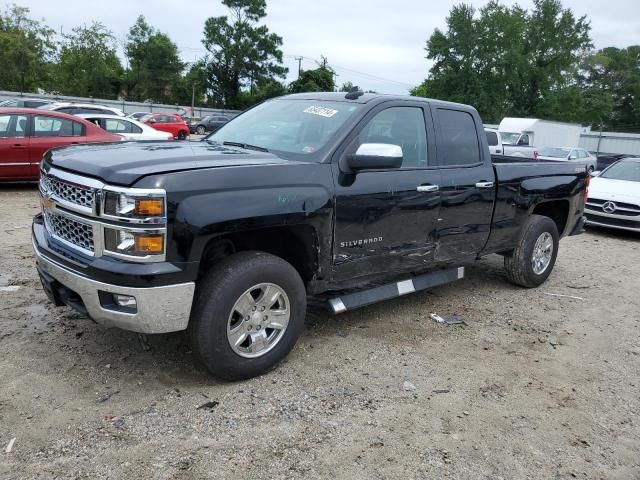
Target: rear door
(385, 219)
(467, 186)
(14, 146)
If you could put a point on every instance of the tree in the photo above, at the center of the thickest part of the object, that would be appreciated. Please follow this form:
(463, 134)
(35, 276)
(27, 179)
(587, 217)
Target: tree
(317, 80)
(613, 75)
(154, 64)
(506, 60)
(88, 65)
(240, 51)
(26, 50)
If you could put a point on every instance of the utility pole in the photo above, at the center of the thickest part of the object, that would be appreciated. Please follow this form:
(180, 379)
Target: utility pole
(299, 59)
(599, 140)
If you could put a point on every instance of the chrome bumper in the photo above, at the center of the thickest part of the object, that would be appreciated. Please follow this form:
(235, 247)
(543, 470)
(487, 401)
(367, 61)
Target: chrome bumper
(159, 309)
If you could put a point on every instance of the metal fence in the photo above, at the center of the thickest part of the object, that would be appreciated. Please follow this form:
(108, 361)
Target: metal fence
(611, 143)
(125, 106)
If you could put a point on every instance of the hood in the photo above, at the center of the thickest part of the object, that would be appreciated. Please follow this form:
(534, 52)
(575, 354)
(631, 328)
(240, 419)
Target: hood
(124, 163)
(611, 189)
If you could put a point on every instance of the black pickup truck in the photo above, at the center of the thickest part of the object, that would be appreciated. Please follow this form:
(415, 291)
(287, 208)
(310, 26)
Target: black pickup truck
(342, 199)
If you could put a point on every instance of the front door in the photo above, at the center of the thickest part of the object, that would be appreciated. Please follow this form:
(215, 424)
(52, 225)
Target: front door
(385, 219)
(48, 132)
(14, 147)
(467, 187)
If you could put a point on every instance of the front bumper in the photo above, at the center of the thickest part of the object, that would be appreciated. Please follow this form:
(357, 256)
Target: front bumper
(619, 222)
(158, 309)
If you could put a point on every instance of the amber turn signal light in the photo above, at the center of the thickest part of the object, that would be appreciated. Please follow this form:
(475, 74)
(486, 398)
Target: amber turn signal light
(149, 243)
(149, 207)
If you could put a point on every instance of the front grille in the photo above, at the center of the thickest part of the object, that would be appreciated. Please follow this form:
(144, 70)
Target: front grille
(629, 206)
(613, 222)
(77, 233)
(68, 192)
(617, 211)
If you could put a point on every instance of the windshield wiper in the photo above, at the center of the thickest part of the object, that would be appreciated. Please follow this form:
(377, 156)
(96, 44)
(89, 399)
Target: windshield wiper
(245, 145)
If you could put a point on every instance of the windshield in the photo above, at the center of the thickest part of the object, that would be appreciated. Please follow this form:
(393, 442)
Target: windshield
(297, 128)
(509, 138)
(554, 152)
(623, 170)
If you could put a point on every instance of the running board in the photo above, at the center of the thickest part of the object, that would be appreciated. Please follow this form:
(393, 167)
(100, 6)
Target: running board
(354, 300)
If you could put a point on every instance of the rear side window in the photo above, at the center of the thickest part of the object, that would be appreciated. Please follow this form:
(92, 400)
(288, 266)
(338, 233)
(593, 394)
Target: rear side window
(44, 126)
(121, 126)
(458, 142)
(492, 138)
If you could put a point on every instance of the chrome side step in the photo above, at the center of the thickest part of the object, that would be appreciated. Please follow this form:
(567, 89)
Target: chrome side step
(351, 301)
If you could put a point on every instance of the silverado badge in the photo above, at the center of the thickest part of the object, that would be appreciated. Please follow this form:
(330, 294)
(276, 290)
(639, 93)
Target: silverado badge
(47, 202)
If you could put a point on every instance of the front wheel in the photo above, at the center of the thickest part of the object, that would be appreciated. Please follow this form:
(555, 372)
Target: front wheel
(248, 314)
(532, 261)
(182, 134)
(201, 130)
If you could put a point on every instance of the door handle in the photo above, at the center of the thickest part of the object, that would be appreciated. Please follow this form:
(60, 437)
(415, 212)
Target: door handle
(19, 146)
(498, 151)
(428, 188)
(484, 185)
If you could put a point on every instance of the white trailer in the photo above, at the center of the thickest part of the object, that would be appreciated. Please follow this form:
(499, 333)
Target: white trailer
(539, 133)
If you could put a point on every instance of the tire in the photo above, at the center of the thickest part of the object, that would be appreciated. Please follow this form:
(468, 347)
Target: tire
(201, 130)
(219, 298)
(519, 264)
(182, 134)
(590, 171)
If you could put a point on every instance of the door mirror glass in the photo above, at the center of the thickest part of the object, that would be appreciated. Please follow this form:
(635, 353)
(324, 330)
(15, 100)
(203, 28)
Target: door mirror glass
(375, 156)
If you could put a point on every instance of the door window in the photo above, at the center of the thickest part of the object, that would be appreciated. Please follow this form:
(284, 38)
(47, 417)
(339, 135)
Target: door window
(458, 138)
(402, 126)
(44, 126)
(121, 126)
(492, 138)
(13, 126)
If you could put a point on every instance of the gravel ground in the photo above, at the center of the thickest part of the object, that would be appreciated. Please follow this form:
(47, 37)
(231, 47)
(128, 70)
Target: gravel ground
(533, 386)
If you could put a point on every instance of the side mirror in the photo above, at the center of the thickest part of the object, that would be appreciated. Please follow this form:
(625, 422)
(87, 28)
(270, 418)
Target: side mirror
(152, 120)
(375, 156)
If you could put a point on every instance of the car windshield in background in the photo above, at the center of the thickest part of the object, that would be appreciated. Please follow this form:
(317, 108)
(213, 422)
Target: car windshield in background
(554, 152)
(509, 138)
(623, 170)
(295, 128)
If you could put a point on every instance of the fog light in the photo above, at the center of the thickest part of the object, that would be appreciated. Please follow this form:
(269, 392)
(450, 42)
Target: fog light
(125, 300)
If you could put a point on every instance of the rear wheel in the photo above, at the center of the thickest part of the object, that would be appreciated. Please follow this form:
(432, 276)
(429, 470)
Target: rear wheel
(248, 315)
(201, 130)
(182, 134)
(532, 261)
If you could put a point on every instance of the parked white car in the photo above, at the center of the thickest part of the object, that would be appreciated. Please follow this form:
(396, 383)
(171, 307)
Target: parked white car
(126, 127)
(568, 154)
(614, 196)
(494, 140)
(81, 108)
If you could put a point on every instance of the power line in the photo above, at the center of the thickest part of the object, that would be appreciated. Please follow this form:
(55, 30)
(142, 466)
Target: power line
(375, 77)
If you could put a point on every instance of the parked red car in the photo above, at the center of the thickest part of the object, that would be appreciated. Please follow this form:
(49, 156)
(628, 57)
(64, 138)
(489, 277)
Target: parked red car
(168, 122)
(27, 133)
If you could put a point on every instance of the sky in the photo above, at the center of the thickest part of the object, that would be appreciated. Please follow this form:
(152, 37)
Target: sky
(376, 44)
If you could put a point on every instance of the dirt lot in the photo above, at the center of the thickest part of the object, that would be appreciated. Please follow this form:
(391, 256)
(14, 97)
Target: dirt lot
(534, 386)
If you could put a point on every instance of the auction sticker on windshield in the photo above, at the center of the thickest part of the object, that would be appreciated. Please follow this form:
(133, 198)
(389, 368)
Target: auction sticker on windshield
(323, 112)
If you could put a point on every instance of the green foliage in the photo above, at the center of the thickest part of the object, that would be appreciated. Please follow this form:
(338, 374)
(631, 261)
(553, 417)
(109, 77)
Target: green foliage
(26, 50)
(88, 65)
(240, 51)
(613, 75)
(317, 80)
(506, 60)
(155, 66)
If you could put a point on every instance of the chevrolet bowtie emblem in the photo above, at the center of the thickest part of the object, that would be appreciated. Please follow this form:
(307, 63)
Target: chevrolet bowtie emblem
(47, 202)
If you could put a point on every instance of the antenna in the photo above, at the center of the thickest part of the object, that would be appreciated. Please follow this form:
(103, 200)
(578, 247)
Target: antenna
(354, 94)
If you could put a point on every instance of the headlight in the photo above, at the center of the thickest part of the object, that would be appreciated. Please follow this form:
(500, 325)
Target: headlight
(133, 206)
(134, 243)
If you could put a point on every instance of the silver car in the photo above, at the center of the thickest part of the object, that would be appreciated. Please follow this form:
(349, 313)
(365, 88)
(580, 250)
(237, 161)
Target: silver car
(568, 154)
